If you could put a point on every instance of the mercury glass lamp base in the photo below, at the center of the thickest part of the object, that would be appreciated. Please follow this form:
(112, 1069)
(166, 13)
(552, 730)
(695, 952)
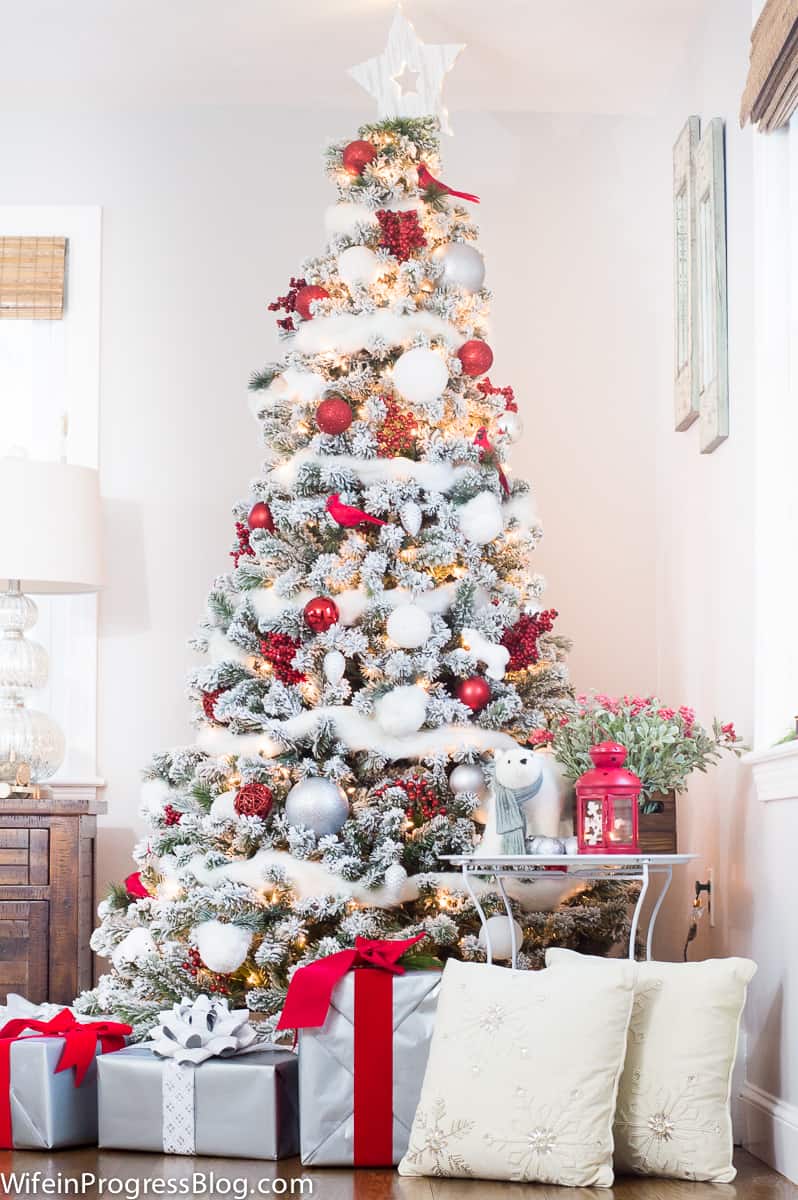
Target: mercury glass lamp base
(27, 737)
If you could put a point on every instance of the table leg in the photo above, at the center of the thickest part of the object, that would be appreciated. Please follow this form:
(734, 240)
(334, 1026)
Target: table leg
(480, 911)
(637, 911)
(655, 912)
(509, 911)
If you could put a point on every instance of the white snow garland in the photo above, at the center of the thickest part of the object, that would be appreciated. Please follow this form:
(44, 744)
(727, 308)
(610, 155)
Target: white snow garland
(353, 602)
(357, 733)
(494, 656)
(292, 386)
(344, 218)
(221, 649)
(435, 477)
(346, 333)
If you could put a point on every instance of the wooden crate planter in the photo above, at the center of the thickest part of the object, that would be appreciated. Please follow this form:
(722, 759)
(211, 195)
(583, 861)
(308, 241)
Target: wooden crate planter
(658, 829)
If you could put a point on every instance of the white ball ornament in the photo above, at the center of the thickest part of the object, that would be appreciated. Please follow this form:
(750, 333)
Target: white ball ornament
(411, 517)
(481, 518)
(334, 666)
(463, 266)
(468, 777)
(358, 265)
(317, 804)
(222, 947)
(133, 948)
(497, 928)
(224, 805)
(508, 427)
(420, 375)
(402, 711)
(409, 626)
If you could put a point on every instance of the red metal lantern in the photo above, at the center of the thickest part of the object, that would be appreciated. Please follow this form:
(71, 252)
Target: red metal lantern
(606, 804)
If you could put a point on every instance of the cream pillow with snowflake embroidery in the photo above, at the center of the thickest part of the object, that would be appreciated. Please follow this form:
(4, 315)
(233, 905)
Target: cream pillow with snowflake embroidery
(673, 1115)
(522, 1076)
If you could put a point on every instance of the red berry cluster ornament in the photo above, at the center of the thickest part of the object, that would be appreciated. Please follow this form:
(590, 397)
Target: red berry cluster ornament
(396, 437)
(260, 517)
(401, 233)
(521, 639)
(171, 816)
(486, 387)
(288, 303)
(358, 155)
(476, 357)
(209, 704)
(473, 692)
(320, 613)
(422, 801)
(243, 548)
(254, 800)
(279, 649)
(334, 415)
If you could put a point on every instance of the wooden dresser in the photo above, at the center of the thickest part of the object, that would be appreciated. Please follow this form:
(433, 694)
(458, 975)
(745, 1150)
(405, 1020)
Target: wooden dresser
(47, 892)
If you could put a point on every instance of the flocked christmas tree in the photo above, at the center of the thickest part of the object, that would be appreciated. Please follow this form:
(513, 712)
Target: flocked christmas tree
(381, 627)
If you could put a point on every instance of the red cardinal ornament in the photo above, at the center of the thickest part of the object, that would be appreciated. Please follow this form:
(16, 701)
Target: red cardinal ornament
(346, 515)
(260, 517)
(333, 415)
(305, 297)
(358, 155)
(425, 180)
(134, 886)
(476, 357)
(320, 613)
(481, 439)
(473, 692)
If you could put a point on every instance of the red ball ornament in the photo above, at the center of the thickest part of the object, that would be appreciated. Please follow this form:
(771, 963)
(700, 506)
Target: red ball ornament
(333, 415)
(305, 297)
(320, 613)
(260, 517)
(473, 692)
(476, 357)
(358, 155)
(254, 800)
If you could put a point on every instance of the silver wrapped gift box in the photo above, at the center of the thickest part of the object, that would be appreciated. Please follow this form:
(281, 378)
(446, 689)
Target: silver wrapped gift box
(327, 1068)
(47, 1109)
(243, 1107)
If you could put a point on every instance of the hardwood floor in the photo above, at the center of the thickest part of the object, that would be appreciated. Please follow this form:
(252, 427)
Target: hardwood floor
(157, 1175)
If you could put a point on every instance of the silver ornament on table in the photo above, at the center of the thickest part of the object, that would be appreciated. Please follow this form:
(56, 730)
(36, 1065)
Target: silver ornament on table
(508, 426)
(463, 266)
(467, 777)
(545, 845)
(317, 804)
(411, 516)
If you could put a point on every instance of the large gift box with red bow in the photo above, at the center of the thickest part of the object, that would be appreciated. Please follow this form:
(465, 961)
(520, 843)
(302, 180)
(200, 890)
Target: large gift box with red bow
(365, 1025)
(48, 1079)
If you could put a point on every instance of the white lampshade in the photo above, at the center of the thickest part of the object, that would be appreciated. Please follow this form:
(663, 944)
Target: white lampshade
(49, 526)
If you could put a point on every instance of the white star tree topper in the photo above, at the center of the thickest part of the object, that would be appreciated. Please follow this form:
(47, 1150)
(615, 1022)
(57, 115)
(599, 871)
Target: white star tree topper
(407, 79)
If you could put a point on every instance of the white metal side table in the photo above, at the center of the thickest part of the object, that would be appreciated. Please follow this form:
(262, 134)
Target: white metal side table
(616, 867)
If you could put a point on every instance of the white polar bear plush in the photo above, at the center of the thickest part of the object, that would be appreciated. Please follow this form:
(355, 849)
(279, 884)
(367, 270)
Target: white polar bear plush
(525, 800)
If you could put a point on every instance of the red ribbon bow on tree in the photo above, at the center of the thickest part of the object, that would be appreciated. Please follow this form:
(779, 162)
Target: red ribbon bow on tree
(311, 988)
(425, 180)
(80, 1047)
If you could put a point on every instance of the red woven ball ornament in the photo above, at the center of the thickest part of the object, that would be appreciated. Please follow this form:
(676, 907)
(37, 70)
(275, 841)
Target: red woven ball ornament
(254, 800)
(320, 613)
(260, 517)
(334, 415)
(476, 357)
(473, 692)
(358, 155)
(305, 297)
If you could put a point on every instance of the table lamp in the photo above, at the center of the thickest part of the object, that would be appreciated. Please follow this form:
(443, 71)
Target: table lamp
(49, 543)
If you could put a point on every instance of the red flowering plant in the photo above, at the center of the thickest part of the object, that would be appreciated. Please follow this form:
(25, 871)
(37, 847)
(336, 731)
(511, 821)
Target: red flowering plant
(664, 745)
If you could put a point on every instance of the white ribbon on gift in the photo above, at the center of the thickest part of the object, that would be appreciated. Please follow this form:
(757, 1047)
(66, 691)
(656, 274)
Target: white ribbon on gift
(187, 1035)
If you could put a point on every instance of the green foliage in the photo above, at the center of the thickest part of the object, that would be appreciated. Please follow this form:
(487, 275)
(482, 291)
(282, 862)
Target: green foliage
(260, 380)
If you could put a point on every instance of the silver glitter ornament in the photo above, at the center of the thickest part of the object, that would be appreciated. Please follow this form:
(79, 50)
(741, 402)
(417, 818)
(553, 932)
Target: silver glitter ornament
(317, 804)
(467, 777)
(463, 266)
(545, 845)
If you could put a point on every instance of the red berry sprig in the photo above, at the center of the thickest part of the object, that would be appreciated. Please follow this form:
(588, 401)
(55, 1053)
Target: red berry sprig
(401, 233)
(521, 639)
(288, 304)
(279, 649)
(397, 435)
(422, 801)
(486, 387)
(243, 548)
(171, 815)
(209, 704)
(193, 964)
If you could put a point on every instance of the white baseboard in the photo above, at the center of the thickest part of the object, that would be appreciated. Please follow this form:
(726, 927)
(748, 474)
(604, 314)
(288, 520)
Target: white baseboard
(770, 1129)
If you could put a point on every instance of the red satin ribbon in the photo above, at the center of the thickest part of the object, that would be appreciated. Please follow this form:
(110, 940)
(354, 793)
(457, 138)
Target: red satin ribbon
(80, 1047)
(306, 1007)
(425, 180)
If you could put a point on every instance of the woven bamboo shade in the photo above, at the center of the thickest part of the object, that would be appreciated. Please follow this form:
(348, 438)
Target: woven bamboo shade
(32, 278)
(771, 91)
